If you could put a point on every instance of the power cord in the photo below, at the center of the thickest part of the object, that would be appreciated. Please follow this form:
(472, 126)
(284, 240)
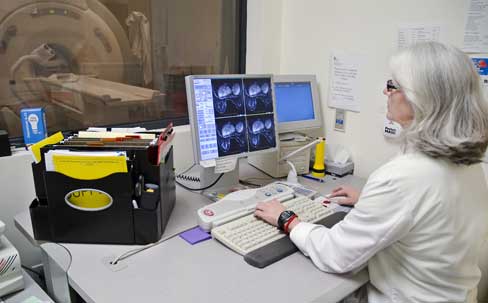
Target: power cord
(202, 188)
(132, 252)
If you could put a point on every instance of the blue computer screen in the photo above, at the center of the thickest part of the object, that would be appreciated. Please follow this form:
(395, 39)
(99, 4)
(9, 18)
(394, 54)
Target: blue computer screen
(294, 101)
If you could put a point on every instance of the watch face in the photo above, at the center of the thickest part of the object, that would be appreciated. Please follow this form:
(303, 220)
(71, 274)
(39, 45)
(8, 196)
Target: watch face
(284, 216)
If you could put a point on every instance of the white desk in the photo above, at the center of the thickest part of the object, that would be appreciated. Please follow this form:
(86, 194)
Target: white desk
(30, 293)
(175, 271)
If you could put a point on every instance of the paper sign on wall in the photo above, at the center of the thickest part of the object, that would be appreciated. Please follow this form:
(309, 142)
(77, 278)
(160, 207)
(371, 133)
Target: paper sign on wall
(476, 27)
(414, 33)
(344, 88)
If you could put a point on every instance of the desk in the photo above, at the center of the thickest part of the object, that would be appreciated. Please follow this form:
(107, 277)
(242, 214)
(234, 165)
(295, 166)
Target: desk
(31, 291)
(175, 271)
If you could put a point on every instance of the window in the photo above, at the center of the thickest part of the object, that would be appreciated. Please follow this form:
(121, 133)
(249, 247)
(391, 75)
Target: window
(112, 62)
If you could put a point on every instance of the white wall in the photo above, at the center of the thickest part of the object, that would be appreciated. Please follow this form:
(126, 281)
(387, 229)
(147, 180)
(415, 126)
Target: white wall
(299, 36)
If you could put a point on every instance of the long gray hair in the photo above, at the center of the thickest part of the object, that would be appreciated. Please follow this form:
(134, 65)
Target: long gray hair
(450, 112)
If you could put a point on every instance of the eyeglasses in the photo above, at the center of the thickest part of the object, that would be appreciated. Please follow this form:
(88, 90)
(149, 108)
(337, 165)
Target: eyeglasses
(390, 86)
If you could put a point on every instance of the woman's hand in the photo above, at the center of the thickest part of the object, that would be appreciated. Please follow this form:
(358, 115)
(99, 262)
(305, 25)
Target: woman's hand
(350, 195)
(269, 211)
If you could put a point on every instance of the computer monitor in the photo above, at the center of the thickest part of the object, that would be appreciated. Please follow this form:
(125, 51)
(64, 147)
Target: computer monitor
(231, 115)
(297, 103)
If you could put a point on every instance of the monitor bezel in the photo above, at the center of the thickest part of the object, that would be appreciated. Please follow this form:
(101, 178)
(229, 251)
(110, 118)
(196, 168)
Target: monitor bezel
(303, 125)
(190, 91)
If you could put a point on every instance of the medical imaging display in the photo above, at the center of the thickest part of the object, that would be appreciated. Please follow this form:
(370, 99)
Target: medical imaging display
(231, 135)
(234, 115)
(261, 132)
(258, 97)
(227, 97)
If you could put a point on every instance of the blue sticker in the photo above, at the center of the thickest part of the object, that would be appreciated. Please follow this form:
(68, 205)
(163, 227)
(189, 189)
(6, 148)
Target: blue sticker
(481, 65)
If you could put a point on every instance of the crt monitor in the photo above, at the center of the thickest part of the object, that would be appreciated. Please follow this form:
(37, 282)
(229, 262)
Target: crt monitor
(231, 115)
(297, 103)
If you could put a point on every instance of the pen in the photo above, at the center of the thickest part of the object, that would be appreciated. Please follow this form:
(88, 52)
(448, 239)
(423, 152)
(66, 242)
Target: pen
(313, 178)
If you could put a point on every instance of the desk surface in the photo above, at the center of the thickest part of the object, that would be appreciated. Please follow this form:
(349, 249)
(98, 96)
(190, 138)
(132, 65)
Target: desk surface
(175, 271)
(31, 293)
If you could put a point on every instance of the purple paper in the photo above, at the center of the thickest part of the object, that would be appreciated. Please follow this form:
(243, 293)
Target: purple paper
(195, 235)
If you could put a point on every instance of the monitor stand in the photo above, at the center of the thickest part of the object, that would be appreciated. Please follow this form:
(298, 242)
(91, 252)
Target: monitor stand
(228, 183)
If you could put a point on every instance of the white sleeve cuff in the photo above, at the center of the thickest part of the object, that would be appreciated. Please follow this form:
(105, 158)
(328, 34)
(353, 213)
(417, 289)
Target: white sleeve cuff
(299, 235)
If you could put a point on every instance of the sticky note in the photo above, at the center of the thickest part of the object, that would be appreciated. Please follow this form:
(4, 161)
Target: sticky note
(195, 235)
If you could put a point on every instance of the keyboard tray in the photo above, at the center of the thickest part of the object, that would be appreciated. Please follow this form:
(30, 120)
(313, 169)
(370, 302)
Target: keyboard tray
(284, 247)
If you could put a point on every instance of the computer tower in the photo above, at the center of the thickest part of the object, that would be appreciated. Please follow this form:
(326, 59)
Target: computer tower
(269, 162)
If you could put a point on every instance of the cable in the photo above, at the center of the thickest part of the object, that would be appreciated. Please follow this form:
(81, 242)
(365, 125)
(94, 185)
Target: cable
(203, 188)
(246, 183)
(132, 252)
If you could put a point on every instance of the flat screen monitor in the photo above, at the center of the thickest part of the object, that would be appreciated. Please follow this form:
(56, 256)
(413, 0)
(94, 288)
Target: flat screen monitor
(297, 103)
(231, 115)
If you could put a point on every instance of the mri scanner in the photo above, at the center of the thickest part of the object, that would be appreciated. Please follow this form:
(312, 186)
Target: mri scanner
(71, 54)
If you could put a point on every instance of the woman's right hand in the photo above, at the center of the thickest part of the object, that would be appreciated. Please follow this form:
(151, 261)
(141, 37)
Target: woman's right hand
(350, 195)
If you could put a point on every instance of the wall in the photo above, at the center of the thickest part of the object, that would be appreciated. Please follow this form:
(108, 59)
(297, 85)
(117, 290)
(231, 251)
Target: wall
(298, 37)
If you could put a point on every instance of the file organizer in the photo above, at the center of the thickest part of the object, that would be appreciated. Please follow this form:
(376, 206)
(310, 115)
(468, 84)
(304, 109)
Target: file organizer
(121, 223)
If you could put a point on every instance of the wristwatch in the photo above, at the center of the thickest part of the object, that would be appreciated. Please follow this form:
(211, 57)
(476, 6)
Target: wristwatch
(283, 218)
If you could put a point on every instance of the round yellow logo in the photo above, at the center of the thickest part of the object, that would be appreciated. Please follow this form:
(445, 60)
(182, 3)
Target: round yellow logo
(88, 199)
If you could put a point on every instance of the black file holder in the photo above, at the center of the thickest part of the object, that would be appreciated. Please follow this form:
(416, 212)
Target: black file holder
(54, 220)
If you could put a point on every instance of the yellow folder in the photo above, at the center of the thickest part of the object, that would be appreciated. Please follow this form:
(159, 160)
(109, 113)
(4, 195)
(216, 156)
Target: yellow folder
(89, 167)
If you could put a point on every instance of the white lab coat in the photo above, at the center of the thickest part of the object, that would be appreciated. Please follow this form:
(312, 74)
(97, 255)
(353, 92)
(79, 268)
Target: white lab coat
(419, 225)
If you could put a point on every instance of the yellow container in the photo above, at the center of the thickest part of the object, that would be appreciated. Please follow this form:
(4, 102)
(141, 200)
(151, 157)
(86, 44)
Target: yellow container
(318, 169)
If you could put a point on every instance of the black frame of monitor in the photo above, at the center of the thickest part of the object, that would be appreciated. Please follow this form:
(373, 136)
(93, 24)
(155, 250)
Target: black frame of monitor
(192, 115)
(288, 127)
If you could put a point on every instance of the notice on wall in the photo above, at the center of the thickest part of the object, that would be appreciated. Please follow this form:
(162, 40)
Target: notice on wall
(344, 88)
(482, 68)
(414, 33)
(476, 27)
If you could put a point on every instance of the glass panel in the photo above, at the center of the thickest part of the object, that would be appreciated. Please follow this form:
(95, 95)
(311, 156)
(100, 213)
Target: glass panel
(110, 62)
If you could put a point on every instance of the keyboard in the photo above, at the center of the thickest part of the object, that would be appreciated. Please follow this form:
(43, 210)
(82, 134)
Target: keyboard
(248, 233)
(243, 202)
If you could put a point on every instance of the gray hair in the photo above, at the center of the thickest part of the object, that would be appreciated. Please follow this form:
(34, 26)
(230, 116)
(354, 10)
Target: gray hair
(450, 112)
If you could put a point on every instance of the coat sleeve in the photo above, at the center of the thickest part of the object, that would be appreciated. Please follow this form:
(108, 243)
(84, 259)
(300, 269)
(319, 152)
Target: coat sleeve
(380, 217)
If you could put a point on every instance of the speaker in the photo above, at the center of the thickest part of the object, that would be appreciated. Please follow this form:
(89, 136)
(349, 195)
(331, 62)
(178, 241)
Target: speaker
(4, 144)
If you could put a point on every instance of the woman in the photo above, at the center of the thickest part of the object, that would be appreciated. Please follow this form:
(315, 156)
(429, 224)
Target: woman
(421, 219)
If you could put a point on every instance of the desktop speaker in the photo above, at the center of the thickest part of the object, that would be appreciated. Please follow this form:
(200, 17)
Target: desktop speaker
(4, 144)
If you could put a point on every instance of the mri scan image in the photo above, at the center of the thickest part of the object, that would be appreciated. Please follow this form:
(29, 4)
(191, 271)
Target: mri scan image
(258, 97)
(231, 136)
(261, 132)
(228, 97)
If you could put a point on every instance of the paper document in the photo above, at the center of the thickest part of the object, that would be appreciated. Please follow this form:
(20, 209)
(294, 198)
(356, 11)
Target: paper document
(414, 33)
(86, 165)
(35, 148)
(476, 27)
(85, 134)
(225, 165)
(344, 82)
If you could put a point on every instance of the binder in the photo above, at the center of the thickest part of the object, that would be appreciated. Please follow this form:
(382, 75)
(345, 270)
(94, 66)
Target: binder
(71, 207)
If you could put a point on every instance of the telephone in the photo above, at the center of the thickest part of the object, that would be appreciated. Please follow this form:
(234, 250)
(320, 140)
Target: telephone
(11, 278)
